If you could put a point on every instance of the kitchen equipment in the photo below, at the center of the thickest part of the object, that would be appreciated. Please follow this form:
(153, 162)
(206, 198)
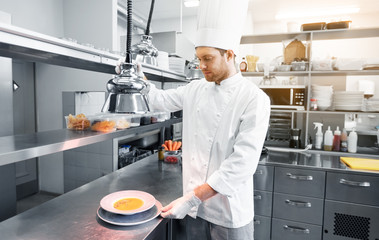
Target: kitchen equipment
(144, 51)
(295, 141)
(193, 71)
(286, 96)
(127, 91)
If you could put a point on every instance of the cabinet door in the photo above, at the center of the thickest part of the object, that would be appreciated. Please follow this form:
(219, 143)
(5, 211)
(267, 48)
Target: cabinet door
(263, 178)
(262, 227)
(298, 208)
(300, 182)
(263, 203)
(289, 230)
(344, 221)
(353, 188)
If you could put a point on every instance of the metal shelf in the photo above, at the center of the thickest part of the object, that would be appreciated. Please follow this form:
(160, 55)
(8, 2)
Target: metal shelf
(23, 44)
(289, 73)
(21, 147)
(316, 35)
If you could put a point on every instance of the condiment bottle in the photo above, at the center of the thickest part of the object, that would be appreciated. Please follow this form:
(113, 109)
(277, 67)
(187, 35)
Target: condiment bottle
(319, 135)
(344, 141)
(314, 104)
(243, 65)
(161, 152)
(352, 142)
(337, 140)
(328, 140)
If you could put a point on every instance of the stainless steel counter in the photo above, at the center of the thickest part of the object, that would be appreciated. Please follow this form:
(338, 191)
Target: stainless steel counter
(73, 215)
(21, 147)
(313, 159)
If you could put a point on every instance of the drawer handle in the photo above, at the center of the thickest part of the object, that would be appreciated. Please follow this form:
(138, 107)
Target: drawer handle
(260, 172)
(257, 222)
(296, 229)
(355, 184)
(300, 177)
(298, 203)
(257, 197)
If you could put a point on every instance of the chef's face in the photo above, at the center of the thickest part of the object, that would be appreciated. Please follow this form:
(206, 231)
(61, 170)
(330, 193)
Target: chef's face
(213, 63)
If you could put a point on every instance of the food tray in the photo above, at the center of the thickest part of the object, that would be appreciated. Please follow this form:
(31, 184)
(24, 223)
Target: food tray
(77, 123)
(338, 25)
(313, 26)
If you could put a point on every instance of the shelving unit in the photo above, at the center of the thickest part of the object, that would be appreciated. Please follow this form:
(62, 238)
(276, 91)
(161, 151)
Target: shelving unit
(309, 37)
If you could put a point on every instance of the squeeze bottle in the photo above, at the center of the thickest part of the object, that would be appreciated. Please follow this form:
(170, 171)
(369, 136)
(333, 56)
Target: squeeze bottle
(337, 140)
(328, 140)
(319, 135)
(352, 142)
(344, 141)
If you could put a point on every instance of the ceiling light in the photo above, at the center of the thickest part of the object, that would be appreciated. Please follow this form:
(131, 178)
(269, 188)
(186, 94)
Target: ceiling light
(317, 13)
(191, 3)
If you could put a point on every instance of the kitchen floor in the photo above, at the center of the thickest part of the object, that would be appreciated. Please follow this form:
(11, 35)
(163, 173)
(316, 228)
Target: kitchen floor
(34, 200)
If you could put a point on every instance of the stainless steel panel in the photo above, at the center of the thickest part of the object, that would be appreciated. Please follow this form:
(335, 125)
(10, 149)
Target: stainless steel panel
(300, 182)
(298, 208)
(264, 178)
(262, 227)
(263, 203)
(343, 221)
(353, 188)
(289, 230)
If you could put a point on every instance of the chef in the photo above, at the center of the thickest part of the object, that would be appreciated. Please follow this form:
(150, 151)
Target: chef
(225, 120)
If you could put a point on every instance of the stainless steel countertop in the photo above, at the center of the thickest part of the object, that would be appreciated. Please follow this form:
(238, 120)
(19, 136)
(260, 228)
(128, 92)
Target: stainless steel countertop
(73, 215)
(21, 147)
(313, 159)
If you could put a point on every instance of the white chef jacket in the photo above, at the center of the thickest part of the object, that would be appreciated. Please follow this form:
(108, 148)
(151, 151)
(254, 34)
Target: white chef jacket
(224, 127)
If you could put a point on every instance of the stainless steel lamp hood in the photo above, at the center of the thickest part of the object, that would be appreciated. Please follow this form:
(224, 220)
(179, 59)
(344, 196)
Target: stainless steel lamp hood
(127, 91)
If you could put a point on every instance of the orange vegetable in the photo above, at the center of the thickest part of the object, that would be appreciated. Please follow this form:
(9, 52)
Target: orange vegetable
(165, 147)
(174, 144)
(166, 143)
(170, 145)
(178, 145)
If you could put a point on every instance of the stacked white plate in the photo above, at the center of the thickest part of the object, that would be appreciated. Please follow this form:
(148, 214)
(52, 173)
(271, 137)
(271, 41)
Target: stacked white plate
(372, 105)
(177, 64)
(323, 94)
(143, 207)
(162, 60)
(348, 100)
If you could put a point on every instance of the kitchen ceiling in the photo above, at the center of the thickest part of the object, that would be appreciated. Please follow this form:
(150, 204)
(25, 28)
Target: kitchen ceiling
(263, 10)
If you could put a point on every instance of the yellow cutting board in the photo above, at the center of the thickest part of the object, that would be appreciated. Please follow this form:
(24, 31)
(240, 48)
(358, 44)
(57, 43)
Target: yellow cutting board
(361, 163)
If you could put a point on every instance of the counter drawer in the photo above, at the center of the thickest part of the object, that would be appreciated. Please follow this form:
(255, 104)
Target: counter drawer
(344, 221)
(264, 178)
(298, 208)
(289, 230)
(353, 188)
(263, 203)
(300, 182)
(262, 227)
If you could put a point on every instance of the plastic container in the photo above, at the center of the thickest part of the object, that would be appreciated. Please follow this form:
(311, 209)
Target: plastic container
(344, 141)
(352, 142)
(284, 68)
(299, 66)
(328, 140)
(172, 156)
(135, 120)
(322, 65)
(161, 116)
(145, 119)
(77, 123)
(122, 121)
(337, 140)
(338, 25)
(319, 135)
(103, 124)
(314, 104)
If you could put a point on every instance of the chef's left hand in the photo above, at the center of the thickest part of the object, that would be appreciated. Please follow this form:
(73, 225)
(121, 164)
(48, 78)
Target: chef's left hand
(180, 207)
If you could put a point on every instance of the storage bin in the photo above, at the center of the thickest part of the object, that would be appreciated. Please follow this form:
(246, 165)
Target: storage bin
(299, 66)
(173, 157)
(103, 124)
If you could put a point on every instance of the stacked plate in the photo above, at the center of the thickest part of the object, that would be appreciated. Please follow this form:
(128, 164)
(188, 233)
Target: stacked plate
(177, 64)
(348, 100)
(323, 94)
(128, 208)
(372, 105)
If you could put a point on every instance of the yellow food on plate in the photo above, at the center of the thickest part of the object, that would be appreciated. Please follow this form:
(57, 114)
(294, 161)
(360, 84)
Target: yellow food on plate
(128, 204)
(78, 122)
(104, 126)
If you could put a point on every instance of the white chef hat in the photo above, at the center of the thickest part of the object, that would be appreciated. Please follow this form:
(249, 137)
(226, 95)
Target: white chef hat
(220, 23)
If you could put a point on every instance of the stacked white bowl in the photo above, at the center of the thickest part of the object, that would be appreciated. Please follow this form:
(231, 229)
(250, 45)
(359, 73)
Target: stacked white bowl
(162, 60)
(177, 64)
(348, 100)
(323, 94)
(372, 105)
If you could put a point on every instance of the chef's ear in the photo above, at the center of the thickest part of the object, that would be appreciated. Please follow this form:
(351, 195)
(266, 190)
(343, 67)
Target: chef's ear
(229, 54)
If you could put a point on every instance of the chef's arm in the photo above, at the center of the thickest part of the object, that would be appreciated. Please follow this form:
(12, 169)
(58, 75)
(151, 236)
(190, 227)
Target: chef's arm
(242, 163)
(203, 192)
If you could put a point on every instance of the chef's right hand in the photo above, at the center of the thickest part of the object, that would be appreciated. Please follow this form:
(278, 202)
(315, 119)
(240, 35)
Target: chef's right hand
(180, 207)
